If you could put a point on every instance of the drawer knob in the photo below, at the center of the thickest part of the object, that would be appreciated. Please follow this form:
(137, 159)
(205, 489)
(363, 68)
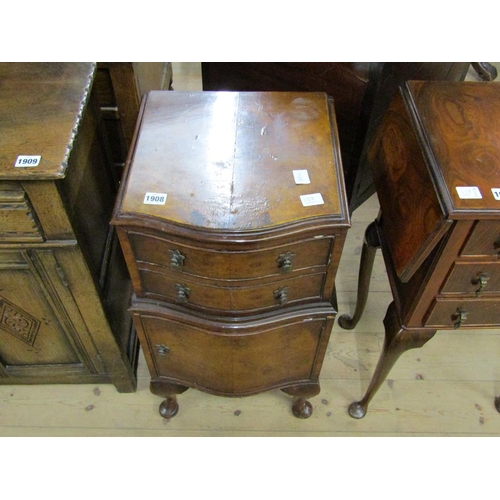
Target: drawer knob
(281, 294)
(182, 292)
(176, 258)
(481, 280)
(162, 349)
(285, 261)
(460, 316)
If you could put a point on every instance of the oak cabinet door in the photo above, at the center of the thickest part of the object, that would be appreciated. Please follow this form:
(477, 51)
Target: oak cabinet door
(41, 331)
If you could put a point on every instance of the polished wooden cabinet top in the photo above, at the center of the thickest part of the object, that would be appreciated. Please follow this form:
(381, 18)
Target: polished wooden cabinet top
(226, 160)
(436, 159)
(40, 108)
(460, 124)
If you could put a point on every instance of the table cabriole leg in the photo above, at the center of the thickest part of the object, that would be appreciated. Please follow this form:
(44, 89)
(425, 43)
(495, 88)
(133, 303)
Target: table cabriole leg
(370, 246)
(397, 341)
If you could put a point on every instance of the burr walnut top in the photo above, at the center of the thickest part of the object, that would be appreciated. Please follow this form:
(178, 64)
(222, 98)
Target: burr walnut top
(460, 122)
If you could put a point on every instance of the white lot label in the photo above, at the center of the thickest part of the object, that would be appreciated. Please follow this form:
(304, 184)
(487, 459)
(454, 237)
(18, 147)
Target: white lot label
(301, 177)
(469, 193)
(155, 199)
(496, 193)
(27, 161)
(309, 200)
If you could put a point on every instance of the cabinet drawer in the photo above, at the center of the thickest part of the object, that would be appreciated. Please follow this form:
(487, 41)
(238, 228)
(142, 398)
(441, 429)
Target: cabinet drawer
(445, 313)
(246, 361)
(18, 222)
(473, 278)
(484, 240)
(230, 265)
(197, 295)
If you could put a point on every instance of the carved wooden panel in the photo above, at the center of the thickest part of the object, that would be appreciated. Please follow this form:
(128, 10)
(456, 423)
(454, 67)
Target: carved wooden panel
(37, 333)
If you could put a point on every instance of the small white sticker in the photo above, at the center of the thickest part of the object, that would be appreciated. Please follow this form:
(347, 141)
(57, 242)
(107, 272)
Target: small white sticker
(309, 200)
(301, 177)
(469, 193)
(27, 161)
(155, 199)
(496, 193)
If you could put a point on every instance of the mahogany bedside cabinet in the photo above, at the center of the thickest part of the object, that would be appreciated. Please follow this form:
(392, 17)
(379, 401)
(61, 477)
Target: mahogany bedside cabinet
(436, 166)
(232, 217)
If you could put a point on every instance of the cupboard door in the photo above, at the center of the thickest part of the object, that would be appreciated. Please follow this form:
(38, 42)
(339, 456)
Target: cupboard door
(241, 361)
(41, 331)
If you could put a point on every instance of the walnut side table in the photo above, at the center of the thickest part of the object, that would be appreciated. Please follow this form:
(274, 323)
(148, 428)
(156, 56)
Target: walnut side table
(233, 272)
(436, 166)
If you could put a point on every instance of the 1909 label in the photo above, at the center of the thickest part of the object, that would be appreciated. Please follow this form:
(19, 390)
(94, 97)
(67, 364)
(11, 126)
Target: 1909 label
(27, 161)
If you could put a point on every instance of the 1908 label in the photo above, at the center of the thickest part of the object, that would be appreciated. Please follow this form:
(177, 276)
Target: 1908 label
(155, 199)
(27, 161)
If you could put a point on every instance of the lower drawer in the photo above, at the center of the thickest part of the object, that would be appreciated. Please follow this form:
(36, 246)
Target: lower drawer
(473, 313)
(221, 299)
(234, 359)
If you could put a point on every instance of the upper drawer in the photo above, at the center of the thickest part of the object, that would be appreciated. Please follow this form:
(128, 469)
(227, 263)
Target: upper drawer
(484, 240)
(18, 222)
(249, 263)
(477, 278)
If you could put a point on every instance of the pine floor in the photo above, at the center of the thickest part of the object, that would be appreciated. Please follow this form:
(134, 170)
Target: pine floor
(447, 388)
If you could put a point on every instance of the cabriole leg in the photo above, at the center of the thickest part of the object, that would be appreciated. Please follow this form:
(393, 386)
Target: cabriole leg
(370, 246)
(397, 341)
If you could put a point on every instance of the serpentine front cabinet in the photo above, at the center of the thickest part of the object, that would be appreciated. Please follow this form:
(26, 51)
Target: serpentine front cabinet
(232, 217)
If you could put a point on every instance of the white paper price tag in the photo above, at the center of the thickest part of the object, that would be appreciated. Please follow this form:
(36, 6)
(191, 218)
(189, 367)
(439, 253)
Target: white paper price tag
(155, 199)
(27, 161)
(309, 200)
(301, 177)
(496, 193)
(469, 193)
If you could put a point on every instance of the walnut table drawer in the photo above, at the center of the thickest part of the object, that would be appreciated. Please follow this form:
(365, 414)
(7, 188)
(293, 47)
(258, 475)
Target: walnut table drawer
(473, 313)
(473, 278)
(484, 240)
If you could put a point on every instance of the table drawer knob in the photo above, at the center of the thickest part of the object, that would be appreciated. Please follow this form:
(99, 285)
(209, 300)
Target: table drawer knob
(481, 280)
(285, 261)
(162, 349)
(459, 317)
(176, 258)
(183, 292)
(281, 294)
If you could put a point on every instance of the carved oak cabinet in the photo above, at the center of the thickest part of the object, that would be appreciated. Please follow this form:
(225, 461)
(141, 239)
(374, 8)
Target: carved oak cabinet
(64, 289)
(436, 165)
(232, 217)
